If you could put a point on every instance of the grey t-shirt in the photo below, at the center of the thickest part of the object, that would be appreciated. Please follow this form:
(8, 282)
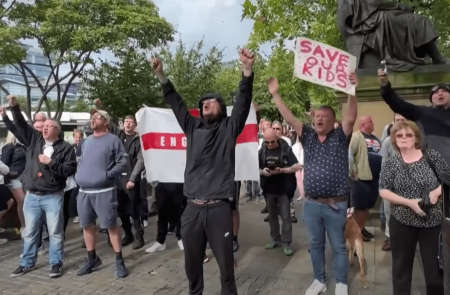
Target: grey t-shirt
(387, 150)
(102, 161)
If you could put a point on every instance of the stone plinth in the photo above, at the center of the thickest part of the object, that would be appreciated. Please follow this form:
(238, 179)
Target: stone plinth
(413, 86)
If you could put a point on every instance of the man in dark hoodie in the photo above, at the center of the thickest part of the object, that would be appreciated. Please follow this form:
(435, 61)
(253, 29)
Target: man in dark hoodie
(433, 121)
(209, 175)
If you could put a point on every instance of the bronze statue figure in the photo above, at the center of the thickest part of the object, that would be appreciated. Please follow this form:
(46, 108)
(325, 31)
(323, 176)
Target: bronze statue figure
(375, 30)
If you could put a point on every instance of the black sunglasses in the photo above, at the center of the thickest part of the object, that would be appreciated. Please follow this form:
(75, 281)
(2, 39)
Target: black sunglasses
(269, 142)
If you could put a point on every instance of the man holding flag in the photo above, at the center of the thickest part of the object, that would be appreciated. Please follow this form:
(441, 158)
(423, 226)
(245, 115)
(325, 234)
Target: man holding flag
(209, 174)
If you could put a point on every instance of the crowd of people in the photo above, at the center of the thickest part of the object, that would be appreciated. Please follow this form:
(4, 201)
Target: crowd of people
(102, 177)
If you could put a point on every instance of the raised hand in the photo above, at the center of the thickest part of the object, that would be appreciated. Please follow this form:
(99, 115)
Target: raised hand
(12, 100)
(383, 77)
(2, 112)
(157, 66)
(97, 103)
(247, 58)
(272, 84)
(353, 79)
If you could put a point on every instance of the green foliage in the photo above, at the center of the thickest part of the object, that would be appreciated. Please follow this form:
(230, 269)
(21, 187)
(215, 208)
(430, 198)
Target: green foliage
(280, 20)
(124, 86)
(69, 31)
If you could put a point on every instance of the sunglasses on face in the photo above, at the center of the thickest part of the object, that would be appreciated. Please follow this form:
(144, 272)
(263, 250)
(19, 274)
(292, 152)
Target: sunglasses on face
(276, 128)
(407, 135)
(269, 142)
(209, 100)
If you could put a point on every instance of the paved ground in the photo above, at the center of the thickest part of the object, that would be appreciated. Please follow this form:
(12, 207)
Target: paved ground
(259, 271)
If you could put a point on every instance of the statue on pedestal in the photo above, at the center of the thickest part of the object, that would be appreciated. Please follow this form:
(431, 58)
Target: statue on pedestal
(376, 30)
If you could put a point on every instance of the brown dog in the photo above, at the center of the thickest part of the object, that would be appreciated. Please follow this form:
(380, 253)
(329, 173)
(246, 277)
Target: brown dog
(355, 244)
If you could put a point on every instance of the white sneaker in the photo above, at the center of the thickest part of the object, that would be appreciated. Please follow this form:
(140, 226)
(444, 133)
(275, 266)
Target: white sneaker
(145, 223)
(42, 251)
(341, 289)
(180, 244)
(156, 247)
(2, 230)
(3, 241)
(76, 219)
(316, 288)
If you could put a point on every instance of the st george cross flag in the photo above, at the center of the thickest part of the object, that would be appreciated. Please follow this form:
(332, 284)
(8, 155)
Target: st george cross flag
(164, 146)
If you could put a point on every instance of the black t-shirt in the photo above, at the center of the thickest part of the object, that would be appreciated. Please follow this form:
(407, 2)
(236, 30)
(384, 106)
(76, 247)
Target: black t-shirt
(128, 140)
(274, 184)
(375, 159)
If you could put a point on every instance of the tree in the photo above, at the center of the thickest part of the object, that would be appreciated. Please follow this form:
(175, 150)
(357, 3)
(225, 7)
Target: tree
(124, 86)
(70, 31)
(280, 20)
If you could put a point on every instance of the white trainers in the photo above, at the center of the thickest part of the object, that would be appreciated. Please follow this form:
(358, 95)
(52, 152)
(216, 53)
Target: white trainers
(316, 288)
(2, 230)
(341, 289)
(76, 219)
(3, 241)
(180, 244)
(156, 247)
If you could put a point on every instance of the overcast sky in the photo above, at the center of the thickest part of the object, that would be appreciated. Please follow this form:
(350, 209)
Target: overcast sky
(217, 21)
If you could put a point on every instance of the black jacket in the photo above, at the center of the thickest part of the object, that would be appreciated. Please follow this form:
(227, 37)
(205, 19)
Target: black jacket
(433, 121)
(52, 176)
(210, 150)
(287, 160)
(135, 160)
(14, 157)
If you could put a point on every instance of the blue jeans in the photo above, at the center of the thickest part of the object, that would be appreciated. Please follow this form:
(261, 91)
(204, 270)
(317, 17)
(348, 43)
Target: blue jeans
(34, 209)
(321, 218)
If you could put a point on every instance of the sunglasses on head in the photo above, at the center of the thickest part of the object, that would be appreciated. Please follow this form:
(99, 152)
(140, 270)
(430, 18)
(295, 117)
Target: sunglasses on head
(437, 87)
(407, 135)
(269, 142)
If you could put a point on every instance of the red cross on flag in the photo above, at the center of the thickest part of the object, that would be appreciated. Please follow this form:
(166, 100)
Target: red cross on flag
(164, 146)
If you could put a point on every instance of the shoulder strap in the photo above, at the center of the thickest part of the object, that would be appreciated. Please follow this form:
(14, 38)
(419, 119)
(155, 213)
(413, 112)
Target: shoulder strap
(427, 159)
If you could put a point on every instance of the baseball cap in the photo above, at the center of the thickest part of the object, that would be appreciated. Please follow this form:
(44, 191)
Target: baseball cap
(437, 87)
(102, 113)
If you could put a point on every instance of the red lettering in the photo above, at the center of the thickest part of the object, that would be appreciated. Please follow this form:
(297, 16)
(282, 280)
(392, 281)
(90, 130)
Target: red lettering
(305, 46)
(325, 66)
(340, 68)
(318, 51)
(342, 78)
(343, 60)
(312, 60)
(333, 56)
(306, 69)
(319, 73)
(330, 76)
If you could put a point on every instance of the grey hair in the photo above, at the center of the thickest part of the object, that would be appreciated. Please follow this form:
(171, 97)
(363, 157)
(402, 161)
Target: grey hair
(55, 121)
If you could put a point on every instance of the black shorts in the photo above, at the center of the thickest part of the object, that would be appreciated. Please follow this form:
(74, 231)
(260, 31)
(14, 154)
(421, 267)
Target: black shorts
(235, 201)
(5, 196)
(364, 194)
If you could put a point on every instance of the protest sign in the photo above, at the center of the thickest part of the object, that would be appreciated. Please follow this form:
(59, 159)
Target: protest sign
(325, 65)
(164, 146)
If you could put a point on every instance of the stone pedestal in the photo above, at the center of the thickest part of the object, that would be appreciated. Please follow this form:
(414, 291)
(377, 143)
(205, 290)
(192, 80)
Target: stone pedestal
(413, 86)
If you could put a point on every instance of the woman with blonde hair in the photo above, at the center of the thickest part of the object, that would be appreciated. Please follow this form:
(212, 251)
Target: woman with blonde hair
(410, 181)
(5, 199)
(13, 156)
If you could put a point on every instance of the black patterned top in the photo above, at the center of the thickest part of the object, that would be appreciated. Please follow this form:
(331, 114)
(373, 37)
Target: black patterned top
(325, 163)
(408, 180)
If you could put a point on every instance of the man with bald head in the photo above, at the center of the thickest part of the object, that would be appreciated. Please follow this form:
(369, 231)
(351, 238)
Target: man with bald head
(278, 164)
(365, 170)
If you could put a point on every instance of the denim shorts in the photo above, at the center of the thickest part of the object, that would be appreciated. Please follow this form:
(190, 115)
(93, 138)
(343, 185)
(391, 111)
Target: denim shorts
(15, 183)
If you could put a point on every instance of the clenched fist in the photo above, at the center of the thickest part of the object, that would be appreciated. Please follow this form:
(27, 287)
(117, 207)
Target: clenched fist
(157, 66)
(382, 75)
(246, 57)
(44, 159)
(12, 100)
